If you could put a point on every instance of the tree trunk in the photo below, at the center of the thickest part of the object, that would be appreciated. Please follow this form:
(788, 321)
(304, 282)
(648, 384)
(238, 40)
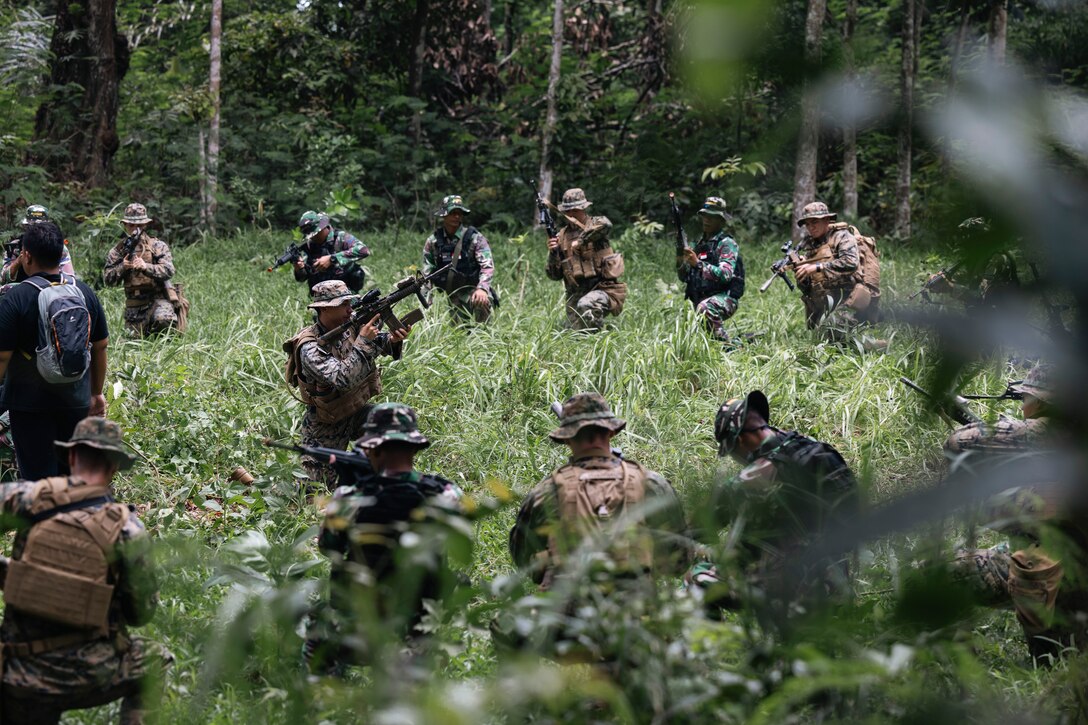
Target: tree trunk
(909, 40)
(415, 69)
(211, 199)
(551, 121)
(999, 28)
(89, 60)
(202, 173)
(508, 28)
(804, 177)
(850, 131)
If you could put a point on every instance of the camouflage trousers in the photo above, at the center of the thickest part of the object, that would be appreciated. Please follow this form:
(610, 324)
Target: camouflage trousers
(834, 320)
(1027, 581)
(40, 688)
(328, 435)
(151, 318)
(588, 311)
(716, 309)
(462, 309)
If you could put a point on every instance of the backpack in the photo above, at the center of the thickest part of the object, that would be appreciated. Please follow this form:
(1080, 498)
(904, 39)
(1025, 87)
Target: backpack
(868, 257)
(64, 330)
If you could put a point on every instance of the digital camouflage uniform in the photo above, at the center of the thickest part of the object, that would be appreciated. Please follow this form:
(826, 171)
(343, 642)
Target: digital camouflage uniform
(9, 275)
(361, 535)
(716, 284)
(346, 252)
(1028, 580)
(148, 308)
(336, 379)
(96, 668)
(473, 269)
(589, 267)
(844, 292)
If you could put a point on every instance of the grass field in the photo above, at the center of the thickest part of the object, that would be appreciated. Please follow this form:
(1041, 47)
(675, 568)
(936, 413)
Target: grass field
(235, 558)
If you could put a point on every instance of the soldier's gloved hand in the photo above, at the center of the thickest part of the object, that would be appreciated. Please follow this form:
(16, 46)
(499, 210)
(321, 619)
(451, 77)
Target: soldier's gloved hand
(323, 262)
(370, 329)
(690, 259)
(553, 244)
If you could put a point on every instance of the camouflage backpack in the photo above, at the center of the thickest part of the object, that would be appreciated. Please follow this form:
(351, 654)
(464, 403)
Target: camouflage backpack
(868, 257)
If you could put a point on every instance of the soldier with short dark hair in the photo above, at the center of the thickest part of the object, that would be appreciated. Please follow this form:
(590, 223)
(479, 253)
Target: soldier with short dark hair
(79, 576)
(144, 265)
(330, 254)
(712, 271)
(468, 283)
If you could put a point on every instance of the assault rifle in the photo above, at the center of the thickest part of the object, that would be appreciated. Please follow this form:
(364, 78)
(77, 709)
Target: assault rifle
(957, 411)
(943, 274)
(546, 219)
(681, 236)
(1011, 393)
(129, 250)
(293, 254)
(349, 465)
(778, 269)
(372, 303)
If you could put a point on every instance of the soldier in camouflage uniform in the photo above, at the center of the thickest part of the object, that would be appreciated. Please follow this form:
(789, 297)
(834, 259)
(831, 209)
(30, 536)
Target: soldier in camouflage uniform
(371, 593)
(330, 254)
(713, 271)
(145, 273)
(1029, 579)
(839, 277)
(590, 495)
(13, 271)
(337, 378)
(583, 258)
(468, 284)
(792, 489)
(50, 666)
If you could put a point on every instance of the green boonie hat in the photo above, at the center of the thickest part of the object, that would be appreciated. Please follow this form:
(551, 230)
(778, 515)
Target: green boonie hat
(715, 206)
(136, 214)
(35, 214)
(330, 293)
(451, 202)
(1039, 383)
(816, 210)
(311, 223)
(389, 422)
(574, 199)
(105, 435)
(585, 409)
(732, 415)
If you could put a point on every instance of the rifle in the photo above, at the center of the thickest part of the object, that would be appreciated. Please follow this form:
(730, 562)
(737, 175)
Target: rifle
(372, 303)
(943, 274)
(1011, 393)
(957, 411)
(681, 236)
(129, 250)
(293, 254)
(349, 465)
(546, 219)
(778, 269)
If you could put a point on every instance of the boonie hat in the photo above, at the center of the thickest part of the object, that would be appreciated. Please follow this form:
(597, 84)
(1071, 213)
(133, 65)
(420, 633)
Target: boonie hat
(574, 199)
(1039, 383)
(330, 293)
(585, 409)
(715, 206)
(816, 210)
(136, 214)
(389, 422)
(105, 435)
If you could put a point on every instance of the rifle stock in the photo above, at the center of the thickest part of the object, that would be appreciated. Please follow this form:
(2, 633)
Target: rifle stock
(681, 236)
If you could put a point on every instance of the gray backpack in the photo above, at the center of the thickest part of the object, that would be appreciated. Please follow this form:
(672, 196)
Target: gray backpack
(64, 330)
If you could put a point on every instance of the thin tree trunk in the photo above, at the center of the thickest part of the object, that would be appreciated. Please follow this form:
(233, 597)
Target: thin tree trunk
(551, 120)
(850, 131)
(906, 128)
(215, 53)
(999, 28)
(804, 177)
(508, 28)
(415, 69)
(202, 172)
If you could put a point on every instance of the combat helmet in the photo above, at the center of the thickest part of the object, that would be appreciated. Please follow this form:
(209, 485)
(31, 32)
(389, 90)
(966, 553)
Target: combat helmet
(35, 214)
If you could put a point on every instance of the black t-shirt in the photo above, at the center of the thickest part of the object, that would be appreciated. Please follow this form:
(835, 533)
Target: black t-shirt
(24, 387)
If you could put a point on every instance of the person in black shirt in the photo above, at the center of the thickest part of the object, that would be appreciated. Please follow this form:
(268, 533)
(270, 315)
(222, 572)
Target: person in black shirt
(44, 412)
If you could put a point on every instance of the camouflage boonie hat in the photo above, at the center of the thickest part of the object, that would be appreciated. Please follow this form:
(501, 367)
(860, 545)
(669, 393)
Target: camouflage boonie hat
(715, 206)
(729, 422)
(1039, 383)
(311, 223)
(136, 214)
(451, 202)
(389, 422)
(330, 293)
(816, 210)
(574, 199)
(35, 214)
(105, 435)
(582, 410)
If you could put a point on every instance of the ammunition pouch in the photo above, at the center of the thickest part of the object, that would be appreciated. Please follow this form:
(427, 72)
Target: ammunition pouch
(859, 298)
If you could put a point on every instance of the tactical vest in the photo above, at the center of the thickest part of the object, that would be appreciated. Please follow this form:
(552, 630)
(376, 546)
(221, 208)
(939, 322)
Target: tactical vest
(329, 405)
(590, 495)
(140, 288)
(350, 274)
(588, 267)
(466, 272)
(64, 573)
(698, 288)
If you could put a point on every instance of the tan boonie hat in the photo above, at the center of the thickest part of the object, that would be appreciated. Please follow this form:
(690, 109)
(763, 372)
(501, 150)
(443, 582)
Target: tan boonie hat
(389, 423)
(330, 293)
(585, 409)
(574, 199)
(816, 210)
(105, 435)
(136, 214)
(715, 206)
(1039, 383)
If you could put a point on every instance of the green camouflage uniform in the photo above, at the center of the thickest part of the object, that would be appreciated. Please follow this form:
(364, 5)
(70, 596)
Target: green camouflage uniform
(472, 270)
(345, 250)
(148, 308)
(716, 283)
